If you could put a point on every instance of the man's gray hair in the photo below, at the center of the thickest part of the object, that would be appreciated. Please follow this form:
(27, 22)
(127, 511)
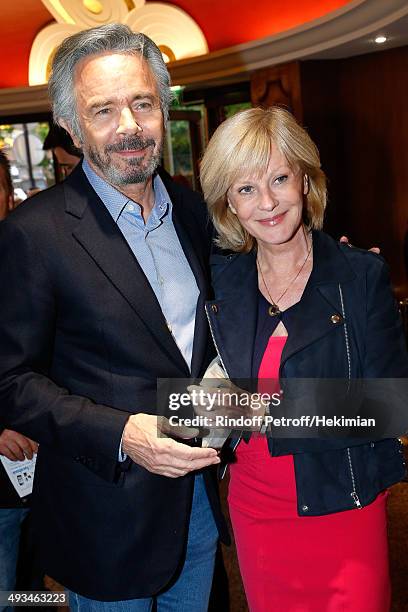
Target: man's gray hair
(115, 38)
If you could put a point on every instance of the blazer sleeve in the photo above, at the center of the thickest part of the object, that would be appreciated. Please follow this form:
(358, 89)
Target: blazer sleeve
(30, 402)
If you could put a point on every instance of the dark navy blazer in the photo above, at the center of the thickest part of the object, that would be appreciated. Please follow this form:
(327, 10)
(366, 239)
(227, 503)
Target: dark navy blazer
(348, 295)
(82, 343)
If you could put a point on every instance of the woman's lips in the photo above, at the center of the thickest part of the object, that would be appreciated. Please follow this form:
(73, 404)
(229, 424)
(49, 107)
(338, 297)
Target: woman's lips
(271, 221)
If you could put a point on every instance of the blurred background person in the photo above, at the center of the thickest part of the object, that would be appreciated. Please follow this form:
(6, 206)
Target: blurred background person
(66, 154)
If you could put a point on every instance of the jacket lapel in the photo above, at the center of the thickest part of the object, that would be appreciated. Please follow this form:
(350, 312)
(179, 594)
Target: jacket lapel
(320, 310)
(104, 242)
(234, 317)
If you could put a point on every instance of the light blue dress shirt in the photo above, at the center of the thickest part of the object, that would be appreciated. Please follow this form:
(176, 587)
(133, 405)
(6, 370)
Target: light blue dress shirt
(158, 250)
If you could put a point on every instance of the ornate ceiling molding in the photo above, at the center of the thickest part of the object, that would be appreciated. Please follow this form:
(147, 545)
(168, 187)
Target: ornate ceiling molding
(360, 18)
(172, 29)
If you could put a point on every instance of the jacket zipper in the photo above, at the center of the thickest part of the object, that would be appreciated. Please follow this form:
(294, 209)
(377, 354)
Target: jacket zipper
(353, 493)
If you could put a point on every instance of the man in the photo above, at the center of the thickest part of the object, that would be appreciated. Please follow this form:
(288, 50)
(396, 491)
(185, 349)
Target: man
(106, 276)
(66, 155)
(13, 445)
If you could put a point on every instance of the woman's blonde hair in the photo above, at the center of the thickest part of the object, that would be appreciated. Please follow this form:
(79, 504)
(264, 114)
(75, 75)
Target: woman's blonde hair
(243, 145)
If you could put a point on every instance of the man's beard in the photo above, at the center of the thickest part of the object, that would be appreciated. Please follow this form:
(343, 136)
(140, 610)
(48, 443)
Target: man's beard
(135, 170)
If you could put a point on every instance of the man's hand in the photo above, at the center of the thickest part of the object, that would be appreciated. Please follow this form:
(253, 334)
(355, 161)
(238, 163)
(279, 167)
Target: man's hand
(226, 402)
(376, 250)
(145, 442)
(15, 446)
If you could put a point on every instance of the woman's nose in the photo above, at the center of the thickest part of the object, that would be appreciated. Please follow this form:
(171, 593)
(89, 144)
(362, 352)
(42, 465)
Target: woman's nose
(268, 199)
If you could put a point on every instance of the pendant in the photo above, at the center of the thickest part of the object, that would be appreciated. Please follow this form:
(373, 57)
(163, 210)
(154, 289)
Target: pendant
(273, 310)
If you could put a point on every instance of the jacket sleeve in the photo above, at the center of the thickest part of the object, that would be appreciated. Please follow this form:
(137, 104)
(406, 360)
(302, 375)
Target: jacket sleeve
(385, 368)
(30, 402)
(385, 351)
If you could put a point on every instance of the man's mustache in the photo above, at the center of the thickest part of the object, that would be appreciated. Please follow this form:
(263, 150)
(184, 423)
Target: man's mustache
(130, 143)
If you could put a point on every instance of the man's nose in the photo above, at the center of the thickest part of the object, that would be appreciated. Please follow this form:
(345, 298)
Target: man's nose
(127, 122)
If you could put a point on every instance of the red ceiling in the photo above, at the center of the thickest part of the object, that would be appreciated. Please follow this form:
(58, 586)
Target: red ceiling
(230, 22)
(224, 23)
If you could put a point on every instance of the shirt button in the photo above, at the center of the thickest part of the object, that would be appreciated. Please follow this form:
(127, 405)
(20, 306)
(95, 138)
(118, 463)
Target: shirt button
(130, 208)
(305, 508)
(169, 327)
(335, 318)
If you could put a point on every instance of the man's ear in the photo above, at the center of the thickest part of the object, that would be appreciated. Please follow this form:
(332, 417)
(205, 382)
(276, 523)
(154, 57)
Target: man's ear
(68, 129)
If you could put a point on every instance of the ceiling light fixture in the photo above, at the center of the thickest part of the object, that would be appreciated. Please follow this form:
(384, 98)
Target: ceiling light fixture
(380, 40)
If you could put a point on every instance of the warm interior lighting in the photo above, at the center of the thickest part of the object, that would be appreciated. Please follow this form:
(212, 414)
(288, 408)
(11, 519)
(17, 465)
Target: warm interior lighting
(167, 53)
(380, 40)
(177, 35)
(93, 5)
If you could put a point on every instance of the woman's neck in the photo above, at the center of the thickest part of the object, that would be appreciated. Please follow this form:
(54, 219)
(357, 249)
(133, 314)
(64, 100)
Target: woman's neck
(280, 259)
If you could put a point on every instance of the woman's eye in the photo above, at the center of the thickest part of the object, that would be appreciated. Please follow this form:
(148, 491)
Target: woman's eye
(246, 189)
(281, 179)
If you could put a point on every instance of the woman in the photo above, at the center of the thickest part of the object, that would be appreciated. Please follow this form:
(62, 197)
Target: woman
(309, 516)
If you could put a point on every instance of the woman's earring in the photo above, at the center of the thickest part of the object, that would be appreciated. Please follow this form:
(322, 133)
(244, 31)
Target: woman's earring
(306, 185)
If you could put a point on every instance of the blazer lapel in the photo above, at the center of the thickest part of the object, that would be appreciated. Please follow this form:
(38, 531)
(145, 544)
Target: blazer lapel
(104, 242)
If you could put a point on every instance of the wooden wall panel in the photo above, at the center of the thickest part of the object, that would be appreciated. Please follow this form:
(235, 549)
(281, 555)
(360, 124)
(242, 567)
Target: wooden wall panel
(278, 85)
(357, 111)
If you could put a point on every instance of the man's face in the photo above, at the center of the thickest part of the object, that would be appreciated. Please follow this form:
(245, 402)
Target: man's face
(6, 197)
(120, 117)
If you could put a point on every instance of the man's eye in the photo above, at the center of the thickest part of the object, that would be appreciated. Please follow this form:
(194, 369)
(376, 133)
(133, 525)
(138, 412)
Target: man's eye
(144, 107)
(103, 111)
(281, 179)
(246, 189)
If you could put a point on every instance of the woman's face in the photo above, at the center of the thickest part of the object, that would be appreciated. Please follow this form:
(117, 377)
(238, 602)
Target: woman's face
(270, 208)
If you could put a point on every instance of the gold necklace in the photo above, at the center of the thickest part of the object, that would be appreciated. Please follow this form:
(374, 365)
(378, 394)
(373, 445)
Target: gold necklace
(274, 309)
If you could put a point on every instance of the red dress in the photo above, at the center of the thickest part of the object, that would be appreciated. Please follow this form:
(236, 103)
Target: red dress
(332, 563)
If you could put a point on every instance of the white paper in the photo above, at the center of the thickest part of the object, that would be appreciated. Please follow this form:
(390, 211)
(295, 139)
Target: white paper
(21, 474)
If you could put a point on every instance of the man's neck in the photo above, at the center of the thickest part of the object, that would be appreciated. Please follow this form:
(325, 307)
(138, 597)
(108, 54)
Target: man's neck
(141, 193)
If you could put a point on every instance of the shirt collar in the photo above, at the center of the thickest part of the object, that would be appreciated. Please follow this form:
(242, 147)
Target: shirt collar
(115, 201)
